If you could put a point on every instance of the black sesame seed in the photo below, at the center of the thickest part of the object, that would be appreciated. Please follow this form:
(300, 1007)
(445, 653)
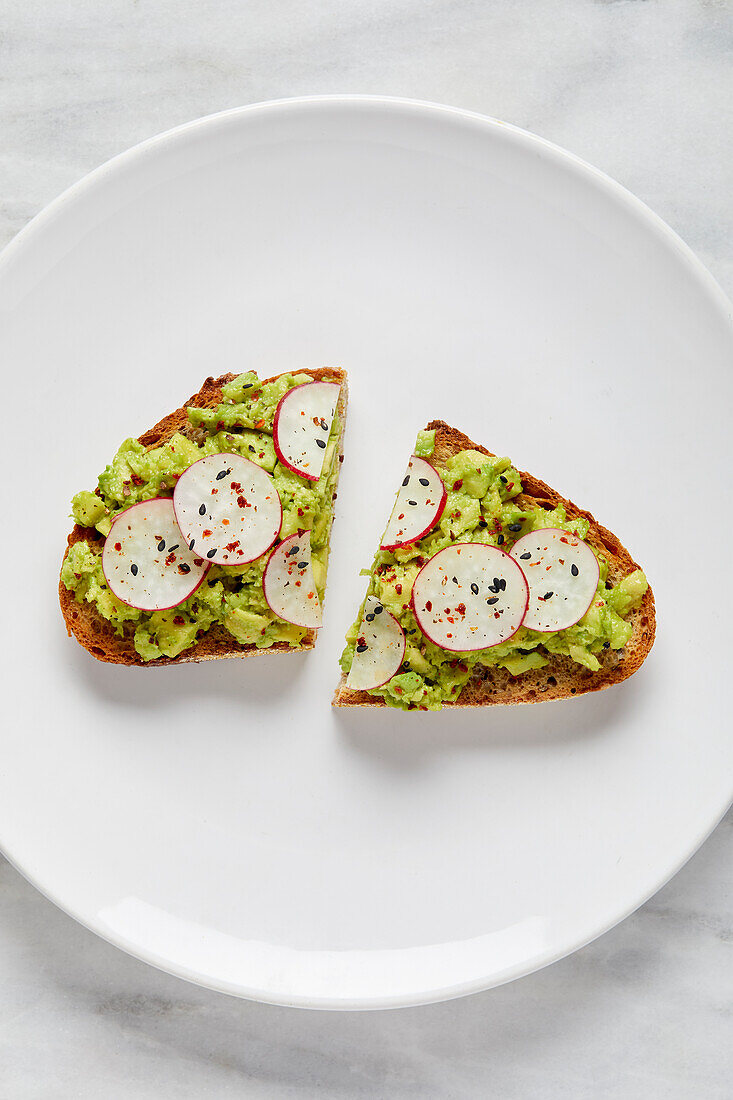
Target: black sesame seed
(184, 568)
(502, 584)
(502, 479)
(293, 550)
(361, 649)
(500, 539)
(190, 545)
(202, 510)
(172, 548)
(406, 481)
(210, 553)
(321, 443)
(222, 473)
(324, 425)
(133, 570)
(248, 385)
(369, 618)
(524, 557)
(474, 589)
(424, 481)
(212, 582)
(493, 599)
(413, 503)
(606, 645)
(161, 544)
(455, 580)
(378, 609)
(515, 526)
(574, 570)
(250, 448)
(482, 523)
(547, 596)
(302, 565)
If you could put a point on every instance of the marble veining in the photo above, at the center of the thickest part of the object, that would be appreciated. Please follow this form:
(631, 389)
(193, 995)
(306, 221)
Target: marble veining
(644, 90)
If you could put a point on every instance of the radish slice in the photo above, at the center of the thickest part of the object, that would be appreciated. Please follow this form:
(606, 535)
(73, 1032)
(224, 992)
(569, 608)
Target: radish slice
(302, 425)
(562, 573)
(380, 648)
(469, 596)
(228, 509)
(145, 559)
(288, 582)
(419, 505)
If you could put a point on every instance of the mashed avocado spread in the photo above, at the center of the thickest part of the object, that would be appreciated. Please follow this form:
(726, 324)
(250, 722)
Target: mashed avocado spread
(231, 596)
(482, 507)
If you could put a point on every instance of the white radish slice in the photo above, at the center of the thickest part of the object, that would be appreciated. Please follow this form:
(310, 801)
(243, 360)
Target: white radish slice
(469, 596)
(380, 648)
(145, 559)
(288, 583)
(228, 509)
(562, 573)
(302, 425)
(419, 505)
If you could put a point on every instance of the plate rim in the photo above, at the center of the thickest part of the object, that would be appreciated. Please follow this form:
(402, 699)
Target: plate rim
(583, 169)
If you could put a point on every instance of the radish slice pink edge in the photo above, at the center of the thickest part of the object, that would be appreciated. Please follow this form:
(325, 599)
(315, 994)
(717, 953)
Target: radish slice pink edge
(228, 509)
(562, 574)
(419, 505)
(380, 648)
(145, 560)
(288, 583)
(302, 426)
(469, 596)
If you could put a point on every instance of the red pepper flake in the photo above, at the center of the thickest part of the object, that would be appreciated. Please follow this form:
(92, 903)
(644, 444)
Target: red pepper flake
(311, 595)
(179, 620)
(232, 545)
(259, 424)
(207, 533)
(136, 480)
(170, 559)
(242, 502)
(398, 589)
(428, 605)
(461, 609)
(458, 484)
(398, 690)
(300, 512)
(118, 546)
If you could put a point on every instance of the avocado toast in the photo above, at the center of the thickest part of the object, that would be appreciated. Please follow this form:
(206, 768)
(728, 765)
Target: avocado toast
(445, 619)
(228, 430)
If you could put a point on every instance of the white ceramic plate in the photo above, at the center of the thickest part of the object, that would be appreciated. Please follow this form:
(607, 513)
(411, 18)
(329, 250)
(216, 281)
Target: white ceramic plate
(222, 822)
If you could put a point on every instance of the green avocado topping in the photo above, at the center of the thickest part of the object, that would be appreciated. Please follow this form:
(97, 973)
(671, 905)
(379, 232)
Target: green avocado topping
(230, 596)
(482, 507)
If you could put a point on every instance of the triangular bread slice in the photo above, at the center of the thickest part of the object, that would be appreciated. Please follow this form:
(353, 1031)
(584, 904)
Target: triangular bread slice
(561, 677)
(96, 634)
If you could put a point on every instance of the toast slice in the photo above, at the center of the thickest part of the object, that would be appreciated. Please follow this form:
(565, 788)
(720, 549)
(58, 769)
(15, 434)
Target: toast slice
(98, 635)
(560, 677)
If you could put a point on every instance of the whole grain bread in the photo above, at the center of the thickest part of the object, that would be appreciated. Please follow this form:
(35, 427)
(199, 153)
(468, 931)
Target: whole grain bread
(561, 677)
(96, 634)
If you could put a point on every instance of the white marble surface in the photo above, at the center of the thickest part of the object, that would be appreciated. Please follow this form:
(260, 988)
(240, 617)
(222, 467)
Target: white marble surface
(645, 91)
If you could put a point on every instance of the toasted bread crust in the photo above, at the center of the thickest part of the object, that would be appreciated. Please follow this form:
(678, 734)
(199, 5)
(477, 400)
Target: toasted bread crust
(561, 677)
(96, 634)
